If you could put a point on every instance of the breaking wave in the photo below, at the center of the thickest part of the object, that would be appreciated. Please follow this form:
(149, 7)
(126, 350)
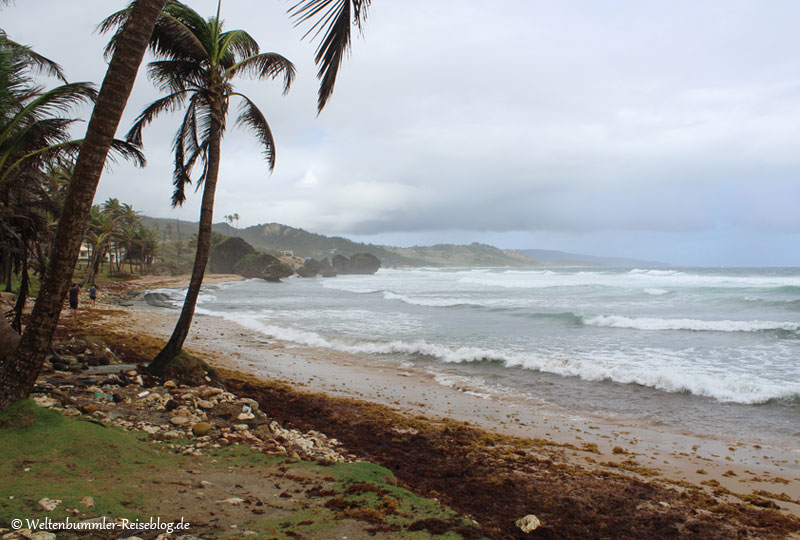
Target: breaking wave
(730, 387)
(696, 325)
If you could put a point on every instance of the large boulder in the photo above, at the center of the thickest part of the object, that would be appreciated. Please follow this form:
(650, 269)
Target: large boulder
(310, 268)
(359, 263)
(227, 253)
(325, 269)
(262, 265)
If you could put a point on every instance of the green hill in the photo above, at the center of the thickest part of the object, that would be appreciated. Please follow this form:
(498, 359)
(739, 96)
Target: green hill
(276, 238)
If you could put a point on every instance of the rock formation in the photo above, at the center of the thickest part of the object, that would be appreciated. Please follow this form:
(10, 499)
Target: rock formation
(262, 265)
(227, 253)
(236, 256)
(311, 268)
(359, 263)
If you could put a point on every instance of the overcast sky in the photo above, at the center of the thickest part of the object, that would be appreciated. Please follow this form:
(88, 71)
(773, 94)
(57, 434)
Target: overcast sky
(666, 130)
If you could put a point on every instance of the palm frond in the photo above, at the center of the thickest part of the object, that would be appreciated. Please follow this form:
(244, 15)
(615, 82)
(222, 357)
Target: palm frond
(56, 100)
(175, 75)
(239, 44)
(252, 118)
(173, 39)
(266, 65)
(190, 144)
(35, 60)
(167, 103)
(189, 138)
(330, 20)
(172, 36)
(116, 21)
(128, 151)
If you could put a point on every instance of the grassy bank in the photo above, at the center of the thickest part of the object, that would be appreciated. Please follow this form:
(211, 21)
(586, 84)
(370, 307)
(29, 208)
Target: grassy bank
(96, 470)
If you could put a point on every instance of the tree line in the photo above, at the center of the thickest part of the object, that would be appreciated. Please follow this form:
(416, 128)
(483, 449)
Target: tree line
(196, 64)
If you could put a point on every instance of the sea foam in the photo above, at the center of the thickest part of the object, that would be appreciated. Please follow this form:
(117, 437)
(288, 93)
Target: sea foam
(738, 388)
(696, 325)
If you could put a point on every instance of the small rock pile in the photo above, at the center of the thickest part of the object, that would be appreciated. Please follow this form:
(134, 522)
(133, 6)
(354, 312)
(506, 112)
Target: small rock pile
(78, 355)
(190, 420)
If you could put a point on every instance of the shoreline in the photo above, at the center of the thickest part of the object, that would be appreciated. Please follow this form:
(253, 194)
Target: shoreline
(596, 442)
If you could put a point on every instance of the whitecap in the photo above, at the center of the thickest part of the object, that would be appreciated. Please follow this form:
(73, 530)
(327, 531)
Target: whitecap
(697, 325)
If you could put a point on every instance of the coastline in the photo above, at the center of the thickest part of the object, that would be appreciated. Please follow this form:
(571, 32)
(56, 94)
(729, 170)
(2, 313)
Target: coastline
(595, 443)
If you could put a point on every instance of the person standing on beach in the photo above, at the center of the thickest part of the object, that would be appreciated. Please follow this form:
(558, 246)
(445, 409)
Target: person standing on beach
(93, 294)
(74, 291)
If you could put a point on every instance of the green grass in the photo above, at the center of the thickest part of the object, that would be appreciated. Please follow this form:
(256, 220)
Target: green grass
(46, 454)
(69, 459)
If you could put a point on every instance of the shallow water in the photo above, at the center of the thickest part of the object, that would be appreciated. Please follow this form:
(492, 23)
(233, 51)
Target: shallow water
(710, 351)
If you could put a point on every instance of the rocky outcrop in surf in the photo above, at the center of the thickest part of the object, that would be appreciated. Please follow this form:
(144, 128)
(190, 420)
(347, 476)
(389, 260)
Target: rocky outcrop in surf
(226, 254)
(236, 256)
(263, 266)
(160, 299)
(359, 263)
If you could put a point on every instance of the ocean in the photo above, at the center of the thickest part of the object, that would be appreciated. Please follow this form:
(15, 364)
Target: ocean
(699, 350)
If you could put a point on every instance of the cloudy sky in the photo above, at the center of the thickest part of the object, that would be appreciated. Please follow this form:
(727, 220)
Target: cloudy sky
(660, 130)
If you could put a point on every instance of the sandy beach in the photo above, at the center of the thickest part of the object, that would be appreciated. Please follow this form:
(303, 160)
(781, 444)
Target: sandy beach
(595, 443)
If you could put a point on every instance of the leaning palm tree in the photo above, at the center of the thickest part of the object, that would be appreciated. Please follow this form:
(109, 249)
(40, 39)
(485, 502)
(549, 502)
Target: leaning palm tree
(330, 20)
(19, 371)
(196, 64)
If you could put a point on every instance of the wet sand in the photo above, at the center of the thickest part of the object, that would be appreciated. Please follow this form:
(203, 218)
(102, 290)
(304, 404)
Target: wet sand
(739, 467)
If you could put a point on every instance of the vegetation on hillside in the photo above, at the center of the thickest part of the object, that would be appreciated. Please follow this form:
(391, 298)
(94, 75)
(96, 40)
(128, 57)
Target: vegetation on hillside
(276, 238)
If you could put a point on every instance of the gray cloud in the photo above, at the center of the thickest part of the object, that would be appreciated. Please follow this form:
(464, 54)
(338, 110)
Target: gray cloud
(597, 125)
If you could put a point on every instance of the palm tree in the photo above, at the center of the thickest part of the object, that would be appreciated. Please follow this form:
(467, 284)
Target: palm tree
(18, 373)
(196, 64)
(236, 218)
(34, 141)
(147, 240)
(103, 230)
(332, 27)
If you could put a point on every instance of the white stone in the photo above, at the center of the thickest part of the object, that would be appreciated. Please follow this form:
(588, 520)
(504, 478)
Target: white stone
(44, 401)
(204, 404)
(253, 404)
(528, 523)
(211, 391)
(233, 500)
(49, 504)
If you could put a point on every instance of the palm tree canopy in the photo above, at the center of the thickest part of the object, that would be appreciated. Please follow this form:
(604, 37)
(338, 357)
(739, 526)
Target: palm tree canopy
(33, 129)
(196, 63)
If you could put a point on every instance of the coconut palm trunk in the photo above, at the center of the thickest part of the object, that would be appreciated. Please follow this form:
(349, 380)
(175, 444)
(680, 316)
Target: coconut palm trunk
(18, 373)
(181, 331)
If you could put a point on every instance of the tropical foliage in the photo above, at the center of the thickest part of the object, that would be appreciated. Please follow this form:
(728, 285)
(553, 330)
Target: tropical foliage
(116, 235)
(230, 218)
(196, 64)
(329, 20)
(36, 154)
